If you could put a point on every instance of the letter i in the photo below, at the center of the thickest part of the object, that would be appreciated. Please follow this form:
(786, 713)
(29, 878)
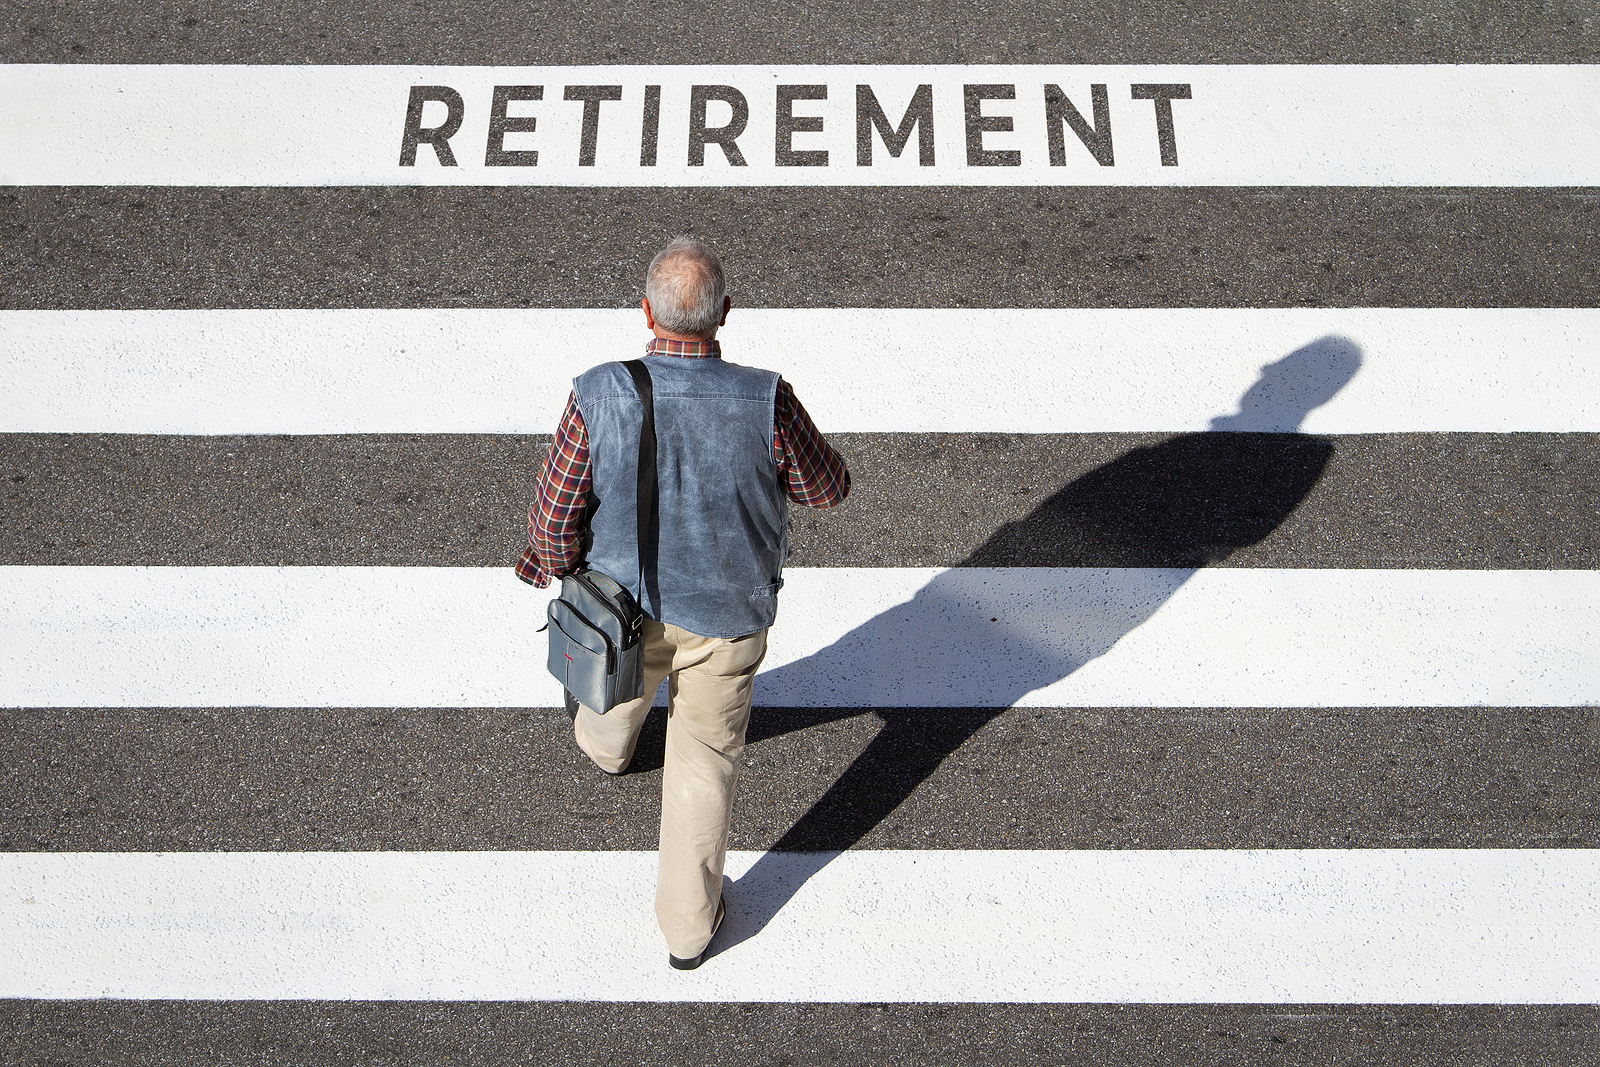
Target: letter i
(650, 132)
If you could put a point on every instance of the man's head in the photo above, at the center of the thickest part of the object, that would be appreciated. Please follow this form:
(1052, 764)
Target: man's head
(685, 294)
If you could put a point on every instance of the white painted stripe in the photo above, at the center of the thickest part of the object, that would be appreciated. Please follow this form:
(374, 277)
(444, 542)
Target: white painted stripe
(1295, 124)
(895, 637)
(1328, 926)
(492, 371)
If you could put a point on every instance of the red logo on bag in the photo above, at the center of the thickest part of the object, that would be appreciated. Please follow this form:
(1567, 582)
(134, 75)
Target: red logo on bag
(568, 655)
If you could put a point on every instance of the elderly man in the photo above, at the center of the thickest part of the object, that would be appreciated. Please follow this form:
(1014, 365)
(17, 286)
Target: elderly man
(733, 446)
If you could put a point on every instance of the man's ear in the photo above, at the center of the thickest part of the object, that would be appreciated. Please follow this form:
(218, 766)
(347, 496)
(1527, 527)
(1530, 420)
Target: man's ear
(727, 303)
(650, 320)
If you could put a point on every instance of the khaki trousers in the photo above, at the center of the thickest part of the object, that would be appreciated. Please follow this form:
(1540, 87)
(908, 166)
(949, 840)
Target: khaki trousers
(711, 682)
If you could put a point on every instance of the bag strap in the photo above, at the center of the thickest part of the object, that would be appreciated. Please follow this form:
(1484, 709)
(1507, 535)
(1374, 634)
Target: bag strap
(649, 530)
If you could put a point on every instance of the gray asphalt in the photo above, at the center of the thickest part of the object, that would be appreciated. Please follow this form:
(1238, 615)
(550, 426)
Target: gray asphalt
(925, 247)
(273, 779)
(804, 31)
(270, 1034)
(1470, 501)
(816, 780)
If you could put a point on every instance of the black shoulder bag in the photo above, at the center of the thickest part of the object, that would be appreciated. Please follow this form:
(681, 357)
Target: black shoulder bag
(596, 627)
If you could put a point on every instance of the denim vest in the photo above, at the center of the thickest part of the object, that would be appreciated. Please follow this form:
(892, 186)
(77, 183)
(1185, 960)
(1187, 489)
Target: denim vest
(724, 521)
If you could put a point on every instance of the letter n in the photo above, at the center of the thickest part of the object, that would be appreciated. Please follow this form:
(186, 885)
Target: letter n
(1058, 110)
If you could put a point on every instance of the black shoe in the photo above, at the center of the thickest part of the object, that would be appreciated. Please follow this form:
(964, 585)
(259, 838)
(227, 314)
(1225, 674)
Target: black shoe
(679, 964)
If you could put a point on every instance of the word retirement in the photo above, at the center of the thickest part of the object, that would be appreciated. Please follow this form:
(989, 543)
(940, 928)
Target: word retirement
(720, 116)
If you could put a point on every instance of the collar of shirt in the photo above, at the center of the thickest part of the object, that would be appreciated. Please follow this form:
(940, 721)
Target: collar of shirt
(666, 346)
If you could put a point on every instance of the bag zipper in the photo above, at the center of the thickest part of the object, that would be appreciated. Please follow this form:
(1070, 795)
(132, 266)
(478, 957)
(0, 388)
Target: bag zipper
(611, 650)
(629, 631)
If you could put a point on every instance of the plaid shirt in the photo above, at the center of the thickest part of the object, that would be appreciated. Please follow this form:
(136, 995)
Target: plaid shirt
(813, 473)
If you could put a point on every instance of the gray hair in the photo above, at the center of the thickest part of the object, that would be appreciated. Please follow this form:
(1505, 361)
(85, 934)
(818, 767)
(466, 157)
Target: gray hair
(685, 287)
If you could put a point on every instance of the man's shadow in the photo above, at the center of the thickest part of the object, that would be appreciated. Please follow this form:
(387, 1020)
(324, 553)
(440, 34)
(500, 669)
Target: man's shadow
(1133, 531)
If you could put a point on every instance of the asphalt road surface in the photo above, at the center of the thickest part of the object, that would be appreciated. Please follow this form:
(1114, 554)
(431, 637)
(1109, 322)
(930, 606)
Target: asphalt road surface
(305, 780)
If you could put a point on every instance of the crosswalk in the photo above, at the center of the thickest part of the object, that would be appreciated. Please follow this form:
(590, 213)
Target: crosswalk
(1082, 726)
(419, 371)
(860, 637)
(719, 126)
(1279, 926)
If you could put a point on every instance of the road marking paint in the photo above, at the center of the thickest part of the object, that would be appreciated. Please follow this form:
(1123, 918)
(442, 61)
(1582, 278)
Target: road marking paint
(1360, 370)
(1227, 125)
(1215, 926)
(868, 637)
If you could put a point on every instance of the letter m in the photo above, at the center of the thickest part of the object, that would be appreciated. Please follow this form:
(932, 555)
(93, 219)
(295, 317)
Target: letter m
(919, 115)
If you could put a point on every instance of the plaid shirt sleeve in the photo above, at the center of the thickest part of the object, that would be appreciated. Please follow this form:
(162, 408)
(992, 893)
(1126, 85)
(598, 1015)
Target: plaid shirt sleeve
(555, 520)
(814, 474)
